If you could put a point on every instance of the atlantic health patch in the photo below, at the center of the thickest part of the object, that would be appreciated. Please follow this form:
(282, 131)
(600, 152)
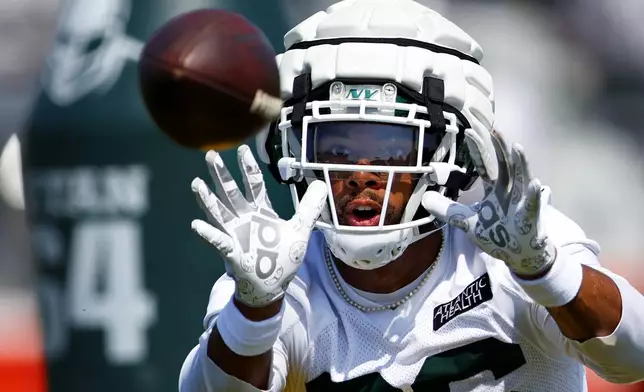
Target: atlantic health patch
(474, 294)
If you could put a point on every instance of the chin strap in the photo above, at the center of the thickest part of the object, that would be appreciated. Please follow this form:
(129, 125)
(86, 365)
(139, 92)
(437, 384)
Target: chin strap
(438, 226)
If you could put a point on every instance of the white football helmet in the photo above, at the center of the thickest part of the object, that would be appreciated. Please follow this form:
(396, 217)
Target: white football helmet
(378, 94)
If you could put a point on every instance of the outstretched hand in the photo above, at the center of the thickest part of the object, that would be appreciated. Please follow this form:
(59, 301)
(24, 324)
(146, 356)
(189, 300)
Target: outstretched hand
(262, 252)
(507, 223)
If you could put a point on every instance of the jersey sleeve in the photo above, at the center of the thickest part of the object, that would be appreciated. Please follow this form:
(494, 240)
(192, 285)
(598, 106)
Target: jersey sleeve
(200, 374)
(618, 357)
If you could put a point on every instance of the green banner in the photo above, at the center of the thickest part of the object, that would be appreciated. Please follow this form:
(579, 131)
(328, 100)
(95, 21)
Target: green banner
(123, 281)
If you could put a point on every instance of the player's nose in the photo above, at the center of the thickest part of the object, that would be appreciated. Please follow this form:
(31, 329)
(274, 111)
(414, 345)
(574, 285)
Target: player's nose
(359, 180)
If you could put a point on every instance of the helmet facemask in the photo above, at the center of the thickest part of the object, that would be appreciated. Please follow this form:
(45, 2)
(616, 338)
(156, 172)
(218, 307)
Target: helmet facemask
(410, 76)
(379, 147)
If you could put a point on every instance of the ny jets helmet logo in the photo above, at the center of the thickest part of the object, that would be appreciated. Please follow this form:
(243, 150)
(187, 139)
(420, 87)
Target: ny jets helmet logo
(90, 50)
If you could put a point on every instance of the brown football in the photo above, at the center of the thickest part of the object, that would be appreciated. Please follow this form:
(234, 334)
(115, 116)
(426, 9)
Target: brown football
(209, 79)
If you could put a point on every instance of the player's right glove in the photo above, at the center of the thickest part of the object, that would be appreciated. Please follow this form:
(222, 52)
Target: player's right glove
(262, 252)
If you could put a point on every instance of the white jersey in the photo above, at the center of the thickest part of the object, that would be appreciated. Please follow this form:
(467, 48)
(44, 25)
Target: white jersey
(469, 328)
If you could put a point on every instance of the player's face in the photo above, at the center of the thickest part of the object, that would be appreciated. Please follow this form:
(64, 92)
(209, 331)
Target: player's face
(359, 195)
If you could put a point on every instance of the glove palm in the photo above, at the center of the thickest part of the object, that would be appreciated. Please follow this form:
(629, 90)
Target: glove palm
(506, 224)
(262, 252)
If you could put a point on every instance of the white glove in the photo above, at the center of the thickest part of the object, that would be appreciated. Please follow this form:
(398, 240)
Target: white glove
(262, 252)
(506, 224)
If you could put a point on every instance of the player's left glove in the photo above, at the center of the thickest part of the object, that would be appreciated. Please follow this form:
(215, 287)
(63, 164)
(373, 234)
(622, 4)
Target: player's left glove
(506, 224)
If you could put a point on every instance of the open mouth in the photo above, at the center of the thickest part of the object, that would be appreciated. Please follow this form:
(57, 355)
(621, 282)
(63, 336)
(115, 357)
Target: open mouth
(363, 212)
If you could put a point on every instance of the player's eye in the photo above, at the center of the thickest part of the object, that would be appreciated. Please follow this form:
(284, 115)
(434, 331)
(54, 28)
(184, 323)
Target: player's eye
(333, 154)
(394, 153)
(340, 151)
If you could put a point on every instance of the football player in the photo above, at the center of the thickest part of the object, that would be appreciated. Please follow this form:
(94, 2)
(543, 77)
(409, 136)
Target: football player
(382, 280)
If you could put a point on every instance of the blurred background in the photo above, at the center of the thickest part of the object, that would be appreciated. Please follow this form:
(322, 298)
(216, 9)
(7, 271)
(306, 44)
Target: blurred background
(102, 284)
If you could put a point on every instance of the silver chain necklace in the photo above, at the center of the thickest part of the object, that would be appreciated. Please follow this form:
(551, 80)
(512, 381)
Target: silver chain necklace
(334, 276)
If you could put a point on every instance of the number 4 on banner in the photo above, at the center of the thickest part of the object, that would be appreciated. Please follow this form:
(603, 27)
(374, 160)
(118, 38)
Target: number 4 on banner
(106, 287)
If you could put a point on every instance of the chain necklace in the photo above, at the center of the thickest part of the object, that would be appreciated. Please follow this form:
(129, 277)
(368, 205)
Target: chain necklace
(334, 276)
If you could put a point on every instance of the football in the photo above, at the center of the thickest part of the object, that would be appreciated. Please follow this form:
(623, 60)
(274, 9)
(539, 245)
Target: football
(209, 79)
